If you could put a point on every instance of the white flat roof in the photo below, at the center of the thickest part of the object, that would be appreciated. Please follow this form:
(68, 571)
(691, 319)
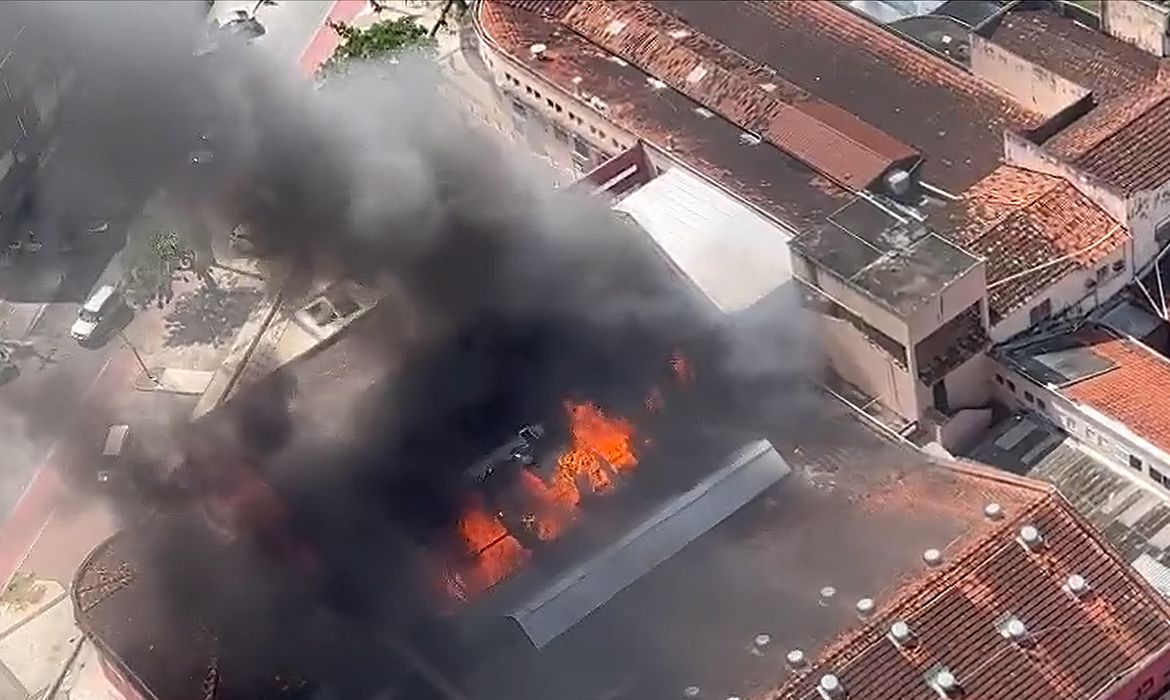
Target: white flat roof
(733, 255)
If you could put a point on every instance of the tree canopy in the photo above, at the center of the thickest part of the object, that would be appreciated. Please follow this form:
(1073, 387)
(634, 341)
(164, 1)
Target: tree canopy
(384, 39)
(156, 249)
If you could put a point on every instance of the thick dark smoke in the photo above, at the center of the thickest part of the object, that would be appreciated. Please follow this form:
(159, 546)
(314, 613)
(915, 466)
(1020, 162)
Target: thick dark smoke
(521, 296)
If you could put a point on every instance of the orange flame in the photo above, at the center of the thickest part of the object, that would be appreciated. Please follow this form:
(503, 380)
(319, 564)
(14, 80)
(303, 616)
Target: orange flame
(551, 515)
(497, 553)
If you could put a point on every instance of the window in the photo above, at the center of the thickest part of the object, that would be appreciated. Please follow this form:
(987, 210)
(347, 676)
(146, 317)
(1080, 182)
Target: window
(1040, 404)
(548, 100)
(1102, 274)
(1041, 312)
(516, 82)
(1135, 462)
(536, 94)
(508, 76)
(561, 134)
(528, 89)
(1159, 477)
(1011, 386)
(615, 143)
(1029, 397)
(999, 379)
(559, 108)
(580, 147)
(518, 109)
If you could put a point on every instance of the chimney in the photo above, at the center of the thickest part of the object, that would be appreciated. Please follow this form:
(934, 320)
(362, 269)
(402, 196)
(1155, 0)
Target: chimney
(1031, 538)
(1013, 628)
(796, 660)
(901, 635)
(946, 685)
(830, 687)
(865, 608)
(932, 557)
(993, 511)
(1076, 586)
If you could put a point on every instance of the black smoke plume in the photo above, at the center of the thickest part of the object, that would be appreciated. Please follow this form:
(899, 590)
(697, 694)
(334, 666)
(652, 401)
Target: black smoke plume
(519, 296)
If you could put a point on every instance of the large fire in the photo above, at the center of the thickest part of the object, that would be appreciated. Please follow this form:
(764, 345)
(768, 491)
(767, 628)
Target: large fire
(600, 449)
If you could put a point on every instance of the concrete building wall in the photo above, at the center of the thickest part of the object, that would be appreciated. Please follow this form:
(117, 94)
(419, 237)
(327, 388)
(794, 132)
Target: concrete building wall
(869, 368)
(967, 386)
(860, 305)
(1113, 442)
(1148, 213)
(1140, 23)
(1080, 291)
(957, 297)
(1022, 153)
(1030, 85)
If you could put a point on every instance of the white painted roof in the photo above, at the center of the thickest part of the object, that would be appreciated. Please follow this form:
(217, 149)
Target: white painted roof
(733, 255)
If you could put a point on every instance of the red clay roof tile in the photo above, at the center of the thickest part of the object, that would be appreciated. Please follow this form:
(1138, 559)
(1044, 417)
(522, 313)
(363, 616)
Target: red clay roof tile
(1080, 647)
(1032, 228)
(1134, 392)
(829, 140)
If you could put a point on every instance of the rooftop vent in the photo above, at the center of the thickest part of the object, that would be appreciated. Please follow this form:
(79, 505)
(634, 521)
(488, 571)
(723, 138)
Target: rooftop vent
(865, 608)
(615, 27)
(1013, 628)
(768, 87)
(945, 684)
(749, 139)
(826, 595)
(691, 691)
(538, 51)
(678, 34)
(704, 112)
(655, 83)
(697, 73)
(796, 660)
(993, 511)
(898, 182)
(932, 557)
(1031, 538)
(830, 687)
(901, 635)
(1076, 586)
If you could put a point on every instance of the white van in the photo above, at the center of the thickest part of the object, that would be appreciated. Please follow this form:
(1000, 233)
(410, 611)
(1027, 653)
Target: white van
(97, 312)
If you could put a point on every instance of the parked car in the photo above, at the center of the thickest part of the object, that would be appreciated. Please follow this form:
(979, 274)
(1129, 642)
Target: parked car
(97, 314)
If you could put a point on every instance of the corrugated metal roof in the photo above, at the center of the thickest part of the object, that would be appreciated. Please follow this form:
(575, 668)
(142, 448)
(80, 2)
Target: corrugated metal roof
(733, 255)
(569, 599)
(1156, 573)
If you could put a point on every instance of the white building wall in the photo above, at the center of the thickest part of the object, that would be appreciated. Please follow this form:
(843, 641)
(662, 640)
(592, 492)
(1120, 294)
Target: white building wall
(1114, 443)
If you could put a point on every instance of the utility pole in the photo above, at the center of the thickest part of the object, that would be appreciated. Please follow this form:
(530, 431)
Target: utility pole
(137, 356)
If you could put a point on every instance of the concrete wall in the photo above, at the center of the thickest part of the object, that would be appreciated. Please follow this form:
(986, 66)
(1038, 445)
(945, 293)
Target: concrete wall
(862, 306)
(858, 362)
(968, 385)
(1146, 211)
(1142, 24)
(1071, 293)
(1020, 152)
(1106, 438)
(956, 298)
(554, 118)
(1030, 85)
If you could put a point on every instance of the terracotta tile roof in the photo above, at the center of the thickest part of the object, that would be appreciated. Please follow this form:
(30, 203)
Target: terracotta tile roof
(1137, 156)
(953, 118)
(1018, 220)
(1092, 59)
(826, 138)
(1135, 392)
(552, 9)
(1079, 648)
(764, 175)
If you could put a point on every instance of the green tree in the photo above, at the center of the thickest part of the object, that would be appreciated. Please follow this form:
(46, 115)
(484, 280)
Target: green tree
(386, 39)
(155, 251)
